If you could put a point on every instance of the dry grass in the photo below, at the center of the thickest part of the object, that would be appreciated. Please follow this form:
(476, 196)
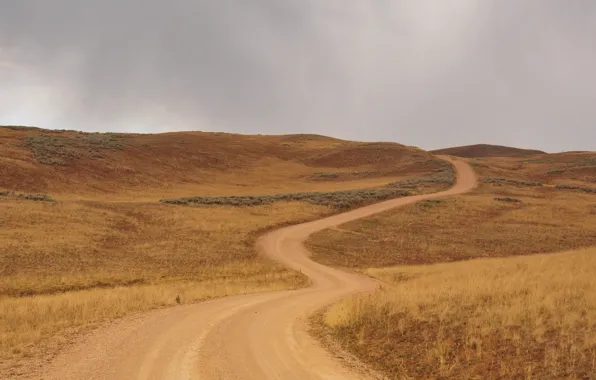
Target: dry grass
(34, 328)
(71, 265)
(519, 318)
(469, 226)
(530, 317)
(49, 248)
(107, 247)
(70, 164)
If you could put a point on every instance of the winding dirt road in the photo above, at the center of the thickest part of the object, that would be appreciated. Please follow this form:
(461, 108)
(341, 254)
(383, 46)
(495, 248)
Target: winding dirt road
(256, 336)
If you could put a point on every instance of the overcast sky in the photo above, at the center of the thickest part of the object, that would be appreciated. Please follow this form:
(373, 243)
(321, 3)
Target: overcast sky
(430, 73)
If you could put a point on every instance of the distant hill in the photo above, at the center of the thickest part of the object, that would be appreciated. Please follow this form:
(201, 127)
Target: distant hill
(59, 161)
(486, 150)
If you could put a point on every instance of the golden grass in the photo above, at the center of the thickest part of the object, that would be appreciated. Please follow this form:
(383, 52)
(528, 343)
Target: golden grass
(74, 264)
(47, 248)
(463, 227)
(32, 327)
(108, 248)
(525, 318)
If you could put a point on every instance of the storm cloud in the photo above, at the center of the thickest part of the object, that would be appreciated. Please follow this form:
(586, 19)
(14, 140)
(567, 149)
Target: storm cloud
(430, 73)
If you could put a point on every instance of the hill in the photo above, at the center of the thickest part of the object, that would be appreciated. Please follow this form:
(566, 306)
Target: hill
(496, 283)
(486, 150)
(71, 162)
(129, 222)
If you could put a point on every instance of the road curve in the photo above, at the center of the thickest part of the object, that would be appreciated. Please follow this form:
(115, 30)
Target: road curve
(256, 336)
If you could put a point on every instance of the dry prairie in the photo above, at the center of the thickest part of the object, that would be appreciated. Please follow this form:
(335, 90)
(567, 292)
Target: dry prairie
(487, 315)
(98, 244)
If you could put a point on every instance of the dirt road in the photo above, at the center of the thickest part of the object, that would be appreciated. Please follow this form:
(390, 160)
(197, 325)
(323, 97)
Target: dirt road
(257, 336)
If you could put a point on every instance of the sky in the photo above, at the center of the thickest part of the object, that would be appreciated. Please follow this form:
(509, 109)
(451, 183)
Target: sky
(428, 73)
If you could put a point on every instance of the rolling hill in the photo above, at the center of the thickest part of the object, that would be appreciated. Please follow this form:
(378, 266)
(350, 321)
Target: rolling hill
(486, 150)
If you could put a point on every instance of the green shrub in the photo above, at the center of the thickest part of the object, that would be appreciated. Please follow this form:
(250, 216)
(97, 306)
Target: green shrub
(508, 199)
(579, 188)
(29, 197)
(334, 175)
(56, 150)
(512, 181)
(446, 176)
(36, 197)
(337, 199)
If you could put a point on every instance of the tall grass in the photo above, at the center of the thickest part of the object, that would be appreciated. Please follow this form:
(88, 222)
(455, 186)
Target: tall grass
(527, 317)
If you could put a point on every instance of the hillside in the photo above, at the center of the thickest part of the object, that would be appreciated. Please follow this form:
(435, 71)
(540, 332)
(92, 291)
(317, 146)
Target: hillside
(70, 162)
(486, 150)
(496, 283)
(108, 236)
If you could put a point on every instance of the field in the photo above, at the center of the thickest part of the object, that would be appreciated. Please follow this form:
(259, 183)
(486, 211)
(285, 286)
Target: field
(528, 317)
(97, 226)
(455, 304)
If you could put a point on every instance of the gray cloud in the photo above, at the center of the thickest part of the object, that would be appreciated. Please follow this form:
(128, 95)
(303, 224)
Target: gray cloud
(426, 73)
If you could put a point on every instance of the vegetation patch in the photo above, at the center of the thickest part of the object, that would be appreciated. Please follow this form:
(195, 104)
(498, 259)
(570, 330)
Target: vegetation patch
(28, 197)
(579, 188)
(478, 164)
(559, 171)
(21, 128)
(512, 181)
(445, 175)
(343, 175)
(588, 161)
(57, 150)
(336, 199)
(429, 203)
(508, 199)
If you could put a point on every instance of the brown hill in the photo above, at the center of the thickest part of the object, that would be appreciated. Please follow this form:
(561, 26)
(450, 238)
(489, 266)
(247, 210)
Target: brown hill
(71, 162)
(486, 150)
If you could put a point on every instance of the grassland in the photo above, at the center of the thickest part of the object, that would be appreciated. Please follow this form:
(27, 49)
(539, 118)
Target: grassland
(101, 245)
(481, 224)
(518, 318)
(455, 303)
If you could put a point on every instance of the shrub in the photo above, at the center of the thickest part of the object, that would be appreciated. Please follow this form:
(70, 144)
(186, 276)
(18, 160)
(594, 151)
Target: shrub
(337, 199)
(580, 188)
(444, 176)
(54, 150)
(29, 197)
(556, 171)
(512, 181)
(334, 175)
(36, 197)
(508, 199)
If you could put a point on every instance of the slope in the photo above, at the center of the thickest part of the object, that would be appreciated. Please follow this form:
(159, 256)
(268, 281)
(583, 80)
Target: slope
(486, 150)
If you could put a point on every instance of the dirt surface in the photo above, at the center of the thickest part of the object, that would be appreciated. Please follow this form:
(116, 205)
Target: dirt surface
(257, 336)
